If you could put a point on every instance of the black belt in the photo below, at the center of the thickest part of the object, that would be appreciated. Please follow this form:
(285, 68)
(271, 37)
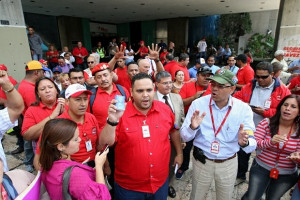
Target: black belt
(199, 155)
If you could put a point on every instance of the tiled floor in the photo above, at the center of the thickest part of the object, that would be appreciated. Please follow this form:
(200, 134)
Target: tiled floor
(183, 187)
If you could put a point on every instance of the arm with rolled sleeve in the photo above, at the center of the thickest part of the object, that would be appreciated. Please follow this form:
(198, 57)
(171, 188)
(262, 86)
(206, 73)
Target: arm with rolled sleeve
(249, 125)
(186, 133)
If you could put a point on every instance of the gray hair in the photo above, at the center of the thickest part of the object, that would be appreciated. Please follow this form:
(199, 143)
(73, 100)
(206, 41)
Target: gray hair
(162, 74)
(278, 52)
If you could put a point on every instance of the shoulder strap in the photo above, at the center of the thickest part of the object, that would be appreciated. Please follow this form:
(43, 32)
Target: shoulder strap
(9, 187)
(92, 98)
(66, 182)
(121, 90)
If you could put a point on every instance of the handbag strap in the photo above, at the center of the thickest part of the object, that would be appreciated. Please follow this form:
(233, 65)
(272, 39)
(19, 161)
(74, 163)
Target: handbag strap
(66, 181)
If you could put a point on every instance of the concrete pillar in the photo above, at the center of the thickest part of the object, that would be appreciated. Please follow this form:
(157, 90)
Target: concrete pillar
(15, 52)
(288, 29)
(178, 32)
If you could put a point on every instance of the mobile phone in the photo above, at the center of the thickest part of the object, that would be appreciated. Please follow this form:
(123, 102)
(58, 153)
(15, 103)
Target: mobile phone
(105, 148)
(253, 106)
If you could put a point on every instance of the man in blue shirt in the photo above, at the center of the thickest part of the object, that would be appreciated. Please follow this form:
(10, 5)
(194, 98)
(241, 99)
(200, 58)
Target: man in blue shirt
(231, 65)
(294, 67)
(219, 124)
(193, 71)
(211, 63)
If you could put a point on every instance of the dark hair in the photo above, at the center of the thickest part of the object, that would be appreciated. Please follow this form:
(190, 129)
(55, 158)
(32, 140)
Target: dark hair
(246, 51)
(210, 57)
(30, 27)
(264, 66)
(131, 63)
(177, 72)
(76, 69)
(36, 90)
(274, 120)
(170, 56)
(140, 76)
(55, 131)
(183, 56)
(162, 74)
(60, 57)
(277, 67)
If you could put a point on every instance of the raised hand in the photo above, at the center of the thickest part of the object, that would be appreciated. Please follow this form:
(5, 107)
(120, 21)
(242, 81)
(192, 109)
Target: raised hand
(243, 136)
(153, 52)
(113, 114)
(197, 119)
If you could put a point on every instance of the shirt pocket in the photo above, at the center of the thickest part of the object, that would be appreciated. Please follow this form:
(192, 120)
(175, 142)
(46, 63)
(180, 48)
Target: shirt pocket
(230, 134)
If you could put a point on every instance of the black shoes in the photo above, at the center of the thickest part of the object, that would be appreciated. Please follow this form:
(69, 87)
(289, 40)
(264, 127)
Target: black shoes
(17, 150)
(172, 192)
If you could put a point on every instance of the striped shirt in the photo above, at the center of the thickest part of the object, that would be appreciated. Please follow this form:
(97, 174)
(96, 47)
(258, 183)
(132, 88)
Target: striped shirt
(267, 153)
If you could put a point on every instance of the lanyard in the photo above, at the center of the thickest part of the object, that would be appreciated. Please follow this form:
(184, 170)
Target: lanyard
(288, 137)
(212, 118)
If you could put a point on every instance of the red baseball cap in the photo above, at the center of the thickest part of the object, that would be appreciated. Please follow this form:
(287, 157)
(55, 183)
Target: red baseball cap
(3, 67)
(142, 42)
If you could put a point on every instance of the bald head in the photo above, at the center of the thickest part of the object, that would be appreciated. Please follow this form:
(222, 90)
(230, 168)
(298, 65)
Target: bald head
(144, 66)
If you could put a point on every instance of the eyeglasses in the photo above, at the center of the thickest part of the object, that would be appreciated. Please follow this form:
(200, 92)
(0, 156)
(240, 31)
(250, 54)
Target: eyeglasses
(119, 61)
(75, 78)
(167, 83)
(92, 62)
(262, 77)
(219, 86)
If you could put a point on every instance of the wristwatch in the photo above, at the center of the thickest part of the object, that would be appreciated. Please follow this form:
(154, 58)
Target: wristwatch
(112, 123)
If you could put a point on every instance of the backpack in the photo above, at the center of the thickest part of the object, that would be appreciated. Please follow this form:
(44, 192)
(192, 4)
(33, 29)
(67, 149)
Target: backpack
(94, 91)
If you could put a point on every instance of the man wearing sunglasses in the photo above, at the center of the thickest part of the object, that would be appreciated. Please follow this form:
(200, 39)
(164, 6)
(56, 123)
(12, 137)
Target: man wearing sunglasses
(89, 78)
(263, 94)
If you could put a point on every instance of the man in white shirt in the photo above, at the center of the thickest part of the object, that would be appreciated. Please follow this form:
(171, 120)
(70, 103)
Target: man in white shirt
(202, 48)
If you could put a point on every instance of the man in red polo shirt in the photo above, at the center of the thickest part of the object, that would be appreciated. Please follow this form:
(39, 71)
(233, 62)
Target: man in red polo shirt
(141, 138)
(245, 73)
(143, 50)
(184, 60)
(80, 53)
(121, 71)
(189, 92)
(34, 71)
(170, 62)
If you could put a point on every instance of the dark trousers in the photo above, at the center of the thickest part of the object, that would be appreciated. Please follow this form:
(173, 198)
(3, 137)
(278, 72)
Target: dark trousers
(186, 155)
(243, 163)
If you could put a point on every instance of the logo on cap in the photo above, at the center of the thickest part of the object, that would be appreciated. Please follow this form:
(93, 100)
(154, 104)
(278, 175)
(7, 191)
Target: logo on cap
(220, 71)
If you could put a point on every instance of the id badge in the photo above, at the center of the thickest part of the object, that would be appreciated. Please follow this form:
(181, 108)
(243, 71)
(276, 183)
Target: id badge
(274, 173)
(267, 104)
(215, 147)
(88, 145)
(146, 132)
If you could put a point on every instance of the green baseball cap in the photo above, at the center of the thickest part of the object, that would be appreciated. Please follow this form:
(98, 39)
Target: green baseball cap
(223, 76)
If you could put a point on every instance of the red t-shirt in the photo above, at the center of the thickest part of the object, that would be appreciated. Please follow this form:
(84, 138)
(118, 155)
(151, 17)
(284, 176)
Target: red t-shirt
(34, 115)
(245, 75)
(123, 78)
(170, 65)
(177, 67)
(295, 82)
(102, 102)
(162, 57)
(26, 89)
(190, 89)
(89, 130)
(2, 93)
(77, 52)
(53, 59)
(142, 164)
(143, 50)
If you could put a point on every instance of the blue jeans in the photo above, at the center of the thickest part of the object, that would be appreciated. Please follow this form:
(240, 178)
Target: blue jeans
(296, 193)
(29, 155)
(260, 182)
(124, 194)
(37, 56)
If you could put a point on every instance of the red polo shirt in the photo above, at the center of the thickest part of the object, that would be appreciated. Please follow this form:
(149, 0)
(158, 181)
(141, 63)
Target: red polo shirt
(245, 75)
(26, 89)
(142, 164)
(123, 78)
(77, 51)
(190, 89)
(89, 130)
(177, 67)
(143, 50)
(2, 93)
(34, 115)
(102, 102)
(295, 82)
(54, 53)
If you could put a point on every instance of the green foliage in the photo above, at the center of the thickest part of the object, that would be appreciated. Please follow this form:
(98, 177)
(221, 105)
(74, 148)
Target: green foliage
(232, 26)
(261, 45)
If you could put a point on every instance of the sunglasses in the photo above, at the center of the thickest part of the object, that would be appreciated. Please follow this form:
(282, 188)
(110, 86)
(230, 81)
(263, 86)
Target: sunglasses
(262, 77)
(92, 62)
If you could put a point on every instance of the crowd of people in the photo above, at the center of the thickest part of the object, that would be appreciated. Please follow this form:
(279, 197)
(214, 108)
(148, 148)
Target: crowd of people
(130, 124)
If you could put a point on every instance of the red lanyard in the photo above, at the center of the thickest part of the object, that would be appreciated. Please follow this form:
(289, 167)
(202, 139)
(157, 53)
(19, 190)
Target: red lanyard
(213, 121)
(288, 137)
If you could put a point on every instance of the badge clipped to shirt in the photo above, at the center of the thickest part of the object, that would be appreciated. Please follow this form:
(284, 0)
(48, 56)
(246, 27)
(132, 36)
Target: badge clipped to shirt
(274, 173)
(267, 104)
(146, 132)
(88, 145)
(215, 147)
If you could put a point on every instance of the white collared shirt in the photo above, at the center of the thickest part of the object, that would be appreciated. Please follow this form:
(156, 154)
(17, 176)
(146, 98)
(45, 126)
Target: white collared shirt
(161, 98)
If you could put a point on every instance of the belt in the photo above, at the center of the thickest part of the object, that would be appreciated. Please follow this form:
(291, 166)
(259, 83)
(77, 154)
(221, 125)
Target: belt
(221, 161)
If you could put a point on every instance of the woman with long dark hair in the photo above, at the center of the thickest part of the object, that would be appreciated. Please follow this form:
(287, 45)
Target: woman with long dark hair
(274, 170)
(60, 139)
